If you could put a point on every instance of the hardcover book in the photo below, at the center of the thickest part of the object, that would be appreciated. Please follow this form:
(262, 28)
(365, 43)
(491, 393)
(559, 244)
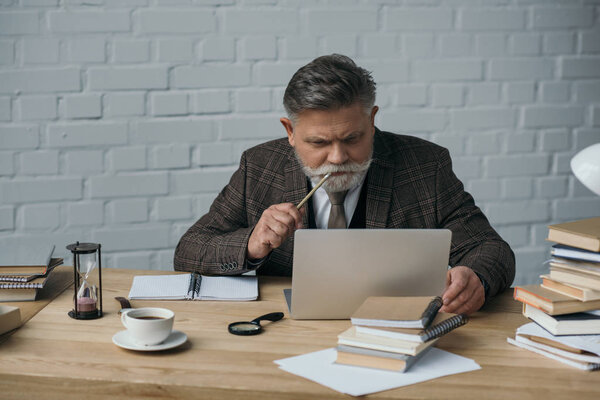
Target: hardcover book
(10, 318)
(571, 290)
(583, 234)
(566, 324)
(559, 250)
(25, 260)
(361, 357)
(352, 338)
(575, 276)
(551, 302)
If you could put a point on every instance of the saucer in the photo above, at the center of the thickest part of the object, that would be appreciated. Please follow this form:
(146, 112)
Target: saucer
(124, 340)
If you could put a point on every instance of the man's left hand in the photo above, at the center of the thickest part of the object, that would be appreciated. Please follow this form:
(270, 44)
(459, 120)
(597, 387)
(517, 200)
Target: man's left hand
(464, 292)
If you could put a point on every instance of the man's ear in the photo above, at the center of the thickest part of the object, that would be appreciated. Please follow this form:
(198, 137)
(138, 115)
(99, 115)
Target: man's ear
(373, 112)
(289, 128)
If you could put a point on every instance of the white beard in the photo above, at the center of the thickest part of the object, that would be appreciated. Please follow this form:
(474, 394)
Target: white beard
(355, 174)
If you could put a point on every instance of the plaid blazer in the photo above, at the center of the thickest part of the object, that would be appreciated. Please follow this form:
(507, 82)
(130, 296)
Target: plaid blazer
(410, 185)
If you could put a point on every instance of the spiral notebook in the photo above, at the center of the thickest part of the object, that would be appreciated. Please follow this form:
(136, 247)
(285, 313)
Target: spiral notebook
(194, 287)
(443, 323)
(31, 281)
(412, 318)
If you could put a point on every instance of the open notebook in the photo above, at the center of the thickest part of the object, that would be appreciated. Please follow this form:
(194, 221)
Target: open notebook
(194, 287)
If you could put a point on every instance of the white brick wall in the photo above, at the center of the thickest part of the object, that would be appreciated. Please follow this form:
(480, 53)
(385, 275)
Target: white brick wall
(120, 121)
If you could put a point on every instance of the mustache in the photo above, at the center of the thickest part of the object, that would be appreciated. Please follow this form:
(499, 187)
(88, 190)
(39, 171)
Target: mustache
(354, 172)
(351, 167)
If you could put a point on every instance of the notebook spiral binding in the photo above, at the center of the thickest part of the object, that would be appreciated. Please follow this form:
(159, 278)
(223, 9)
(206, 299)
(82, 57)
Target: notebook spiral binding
(192, 284)
(444, 327)
(19, 285)
(12, 279)
(197, 281)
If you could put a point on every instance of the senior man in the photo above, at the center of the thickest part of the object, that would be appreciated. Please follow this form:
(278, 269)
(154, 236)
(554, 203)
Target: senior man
(378, 180)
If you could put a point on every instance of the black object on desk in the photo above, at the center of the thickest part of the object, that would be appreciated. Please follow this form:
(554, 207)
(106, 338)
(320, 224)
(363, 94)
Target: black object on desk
(444, 327)
(245, 328)
(431, 311)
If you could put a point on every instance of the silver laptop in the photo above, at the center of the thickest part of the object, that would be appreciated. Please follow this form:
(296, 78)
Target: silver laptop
(336, 270)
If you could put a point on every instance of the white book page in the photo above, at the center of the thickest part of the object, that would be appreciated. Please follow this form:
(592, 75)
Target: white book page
(558, 352)
(573, 363)
(589, 343)
(233, 288)
(161, 287)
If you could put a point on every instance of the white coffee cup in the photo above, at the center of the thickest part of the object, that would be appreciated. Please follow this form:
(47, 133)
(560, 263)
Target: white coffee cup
(148, 326)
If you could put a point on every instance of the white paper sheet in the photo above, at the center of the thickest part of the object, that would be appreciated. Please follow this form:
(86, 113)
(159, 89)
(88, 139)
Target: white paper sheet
(319, 367)
(233, 288)
(160, 287)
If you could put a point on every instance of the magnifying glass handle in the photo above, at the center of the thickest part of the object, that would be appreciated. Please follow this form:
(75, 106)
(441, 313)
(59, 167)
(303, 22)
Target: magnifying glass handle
(274, 316)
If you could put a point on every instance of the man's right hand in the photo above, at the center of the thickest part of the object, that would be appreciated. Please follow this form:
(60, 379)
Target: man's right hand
(276, 224)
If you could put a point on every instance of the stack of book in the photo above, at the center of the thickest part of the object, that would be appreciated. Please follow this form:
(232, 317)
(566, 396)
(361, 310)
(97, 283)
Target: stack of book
(567, 302)
(575, 263)
(25, 270)
(393, 333)
(579, 351)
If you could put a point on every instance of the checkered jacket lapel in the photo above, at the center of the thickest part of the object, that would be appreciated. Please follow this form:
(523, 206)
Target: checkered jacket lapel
(296, 186)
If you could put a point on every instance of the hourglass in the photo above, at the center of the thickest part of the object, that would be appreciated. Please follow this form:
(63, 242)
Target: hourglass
(87, 280)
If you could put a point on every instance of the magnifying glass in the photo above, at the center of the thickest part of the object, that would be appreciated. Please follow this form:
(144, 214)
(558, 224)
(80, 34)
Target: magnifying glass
(253, 327)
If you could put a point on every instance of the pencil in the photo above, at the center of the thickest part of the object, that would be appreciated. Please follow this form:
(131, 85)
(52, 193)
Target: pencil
(318, 185)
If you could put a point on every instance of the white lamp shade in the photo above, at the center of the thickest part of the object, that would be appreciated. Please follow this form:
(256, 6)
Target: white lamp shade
(586, 167)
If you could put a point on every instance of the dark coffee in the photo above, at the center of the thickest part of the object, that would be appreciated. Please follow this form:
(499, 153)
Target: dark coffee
(149, 317)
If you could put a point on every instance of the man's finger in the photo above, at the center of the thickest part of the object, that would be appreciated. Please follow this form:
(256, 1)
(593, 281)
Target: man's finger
(279, 228)
(470, 306)
(285, 219)
(290, 209)
(457, 284)
(473, 301)
(272, 238)
(462, 298)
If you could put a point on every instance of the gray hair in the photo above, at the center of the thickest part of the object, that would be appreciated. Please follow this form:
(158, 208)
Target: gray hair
(329, 83)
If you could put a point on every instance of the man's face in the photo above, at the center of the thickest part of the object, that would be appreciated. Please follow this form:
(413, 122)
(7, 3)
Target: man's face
(337, 141)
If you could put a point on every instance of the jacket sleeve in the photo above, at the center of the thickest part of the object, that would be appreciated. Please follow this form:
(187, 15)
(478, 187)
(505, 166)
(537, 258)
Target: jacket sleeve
(475, 244)
(217, 243)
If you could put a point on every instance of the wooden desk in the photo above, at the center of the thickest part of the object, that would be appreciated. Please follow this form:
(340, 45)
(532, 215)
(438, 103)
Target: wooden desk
(54, 356)
(61, 278)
